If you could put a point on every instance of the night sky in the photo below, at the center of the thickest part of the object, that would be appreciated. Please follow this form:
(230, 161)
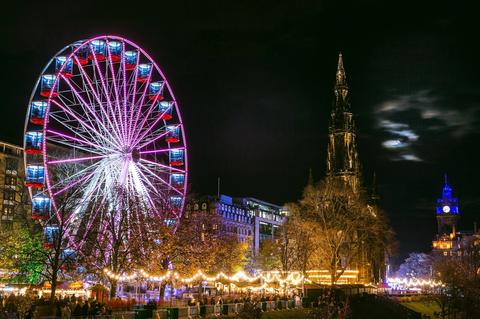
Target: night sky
(254, 80)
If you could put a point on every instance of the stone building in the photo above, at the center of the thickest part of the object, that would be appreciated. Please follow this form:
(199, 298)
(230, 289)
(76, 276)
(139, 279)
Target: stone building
(13, 197)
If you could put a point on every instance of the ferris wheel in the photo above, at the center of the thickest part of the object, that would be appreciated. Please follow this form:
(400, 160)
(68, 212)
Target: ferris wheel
(102, 121)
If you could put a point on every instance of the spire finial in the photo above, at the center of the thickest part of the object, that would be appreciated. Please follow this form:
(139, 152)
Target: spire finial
(341, 78)
(446, 179)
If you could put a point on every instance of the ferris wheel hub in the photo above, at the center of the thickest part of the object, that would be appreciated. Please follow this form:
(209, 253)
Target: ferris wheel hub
(135, 155)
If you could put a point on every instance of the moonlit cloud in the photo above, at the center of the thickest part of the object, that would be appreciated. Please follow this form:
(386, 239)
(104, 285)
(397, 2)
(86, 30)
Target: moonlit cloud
(394, 144)
(411, 157)
(406, 118)
(403, 135)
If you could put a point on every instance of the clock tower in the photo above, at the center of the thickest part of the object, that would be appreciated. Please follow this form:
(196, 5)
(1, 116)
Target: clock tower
(447, 211)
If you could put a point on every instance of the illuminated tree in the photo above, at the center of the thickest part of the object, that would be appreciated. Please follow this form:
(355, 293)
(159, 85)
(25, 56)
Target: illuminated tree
(417, 265)
(119, 244)
(55, 258)
(268, 257)
(198, 244)
(16, 247)
(460, 295)
(341, 225)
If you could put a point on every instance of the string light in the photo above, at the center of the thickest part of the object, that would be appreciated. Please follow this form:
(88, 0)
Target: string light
(413, 282)
(292, 278)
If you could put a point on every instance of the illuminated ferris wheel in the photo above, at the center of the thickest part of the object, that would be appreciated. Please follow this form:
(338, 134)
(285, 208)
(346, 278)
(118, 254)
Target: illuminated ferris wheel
(102, 121)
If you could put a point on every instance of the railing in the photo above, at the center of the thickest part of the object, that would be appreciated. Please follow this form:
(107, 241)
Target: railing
(220, 309)
(114, 315)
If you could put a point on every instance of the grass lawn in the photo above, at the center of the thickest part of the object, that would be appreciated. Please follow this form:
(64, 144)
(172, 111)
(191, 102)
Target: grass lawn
(423, 307)
(285, 314)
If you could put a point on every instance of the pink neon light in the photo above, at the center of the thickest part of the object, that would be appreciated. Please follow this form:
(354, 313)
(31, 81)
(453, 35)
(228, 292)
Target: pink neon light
(163, 166)
(70, 160)
(83, 123)
(74, 183)
(152, 106)
(133, 96)
(142, 99)
(87, 105)
(152, 140)
(115, 88)
(162, 150)
(107, 94)
(74, 139)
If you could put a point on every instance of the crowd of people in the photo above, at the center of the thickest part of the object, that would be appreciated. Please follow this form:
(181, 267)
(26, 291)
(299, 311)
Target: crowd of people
(32, 306)
(28, 307)
(219, 300)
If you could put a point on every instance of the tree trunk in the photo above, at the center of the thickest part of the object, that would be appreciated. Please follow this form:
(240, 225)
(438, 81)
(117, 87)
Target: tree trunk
(53, 288)
(113, 289)
(161, 291)
(333, 270)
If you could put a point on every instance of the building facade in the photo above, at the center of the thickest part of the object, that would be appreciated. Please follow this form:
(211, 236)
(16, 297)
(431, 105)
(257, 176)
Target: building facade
(13, 197)
(267, 219)
(249, 219)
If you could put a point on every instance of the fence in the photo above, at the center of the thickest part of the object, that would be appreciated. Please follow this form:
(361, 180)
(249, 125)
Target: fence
(114, 315)
(220, 309)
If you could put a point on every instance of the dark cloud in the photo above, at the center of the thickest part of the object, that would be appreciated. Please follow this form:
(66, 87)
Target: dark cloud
(424, 114)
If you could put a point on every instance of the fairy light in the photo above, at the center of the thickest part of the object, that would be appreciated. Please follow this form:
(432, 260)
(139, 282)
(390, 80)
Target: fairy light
(413, 283)
(292, 278)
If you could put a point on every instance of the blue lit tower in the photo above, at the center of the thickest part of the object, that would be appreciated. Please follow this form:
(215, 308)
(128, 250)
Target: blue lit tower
(342, 157)
(447, 211)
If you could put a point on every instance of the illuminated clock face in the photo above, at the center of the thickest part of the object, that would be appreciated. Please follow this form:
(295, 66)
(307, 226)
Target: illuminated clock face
(446, 209)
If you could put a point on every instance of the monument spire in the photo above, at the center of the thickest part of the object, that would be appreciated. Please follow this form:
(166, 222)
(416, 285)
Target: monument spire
(342, 157)
(341, 79)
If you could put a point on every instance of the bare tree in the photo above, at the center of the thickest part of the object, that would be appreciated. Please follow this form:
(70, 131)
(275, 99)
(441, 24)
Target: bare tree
(342, 223)
(114, 240)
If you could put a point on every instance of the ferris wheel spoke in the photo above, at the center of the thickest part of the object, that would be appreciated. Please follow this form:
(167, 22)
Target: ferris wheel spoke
(154, 139)
(94, 209)
(64, 143)
(163, 150)
(78, 181)
(164, 167)
(67, 140)
(149, 129)
(107, 95)
(70, 107)
(78, 159)
(66, 179)
(118, 101)
(84, 201)
(139, 109)
(146, 116)
(125, 99)
(78, 130)
(133, 94)
(88, 89)
(81, 121)
(86, 111)
(111, 128)
(161, 179)
(139, 185)
(147, 182)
